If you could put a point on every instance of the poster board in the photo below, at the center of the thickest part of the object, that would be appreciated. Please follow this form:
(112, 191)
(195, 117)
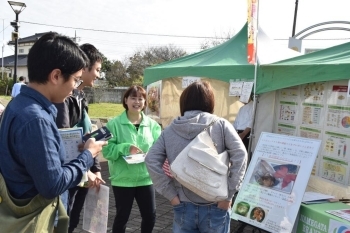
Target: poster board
(275, 182)
(153, 99)
(319, 110)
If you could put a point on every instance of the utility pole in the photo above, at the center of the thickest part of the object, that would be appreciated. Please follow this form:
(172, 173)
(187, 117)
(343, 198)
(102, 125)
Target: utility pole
(295, 17)
(3, 48)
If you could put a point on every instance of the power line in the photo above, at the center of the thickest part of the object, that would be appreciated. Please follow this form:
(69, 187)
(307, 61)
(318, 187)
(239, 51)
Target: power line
(120, 32)
(153, 34)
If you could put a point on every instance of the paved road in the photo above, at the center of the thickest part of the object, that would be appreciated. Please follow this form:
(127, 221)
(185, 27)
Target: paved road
(164, 213)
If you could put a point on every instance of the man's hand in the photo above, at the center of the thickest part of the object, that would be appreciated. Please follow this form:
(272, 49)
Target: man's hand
(95, 180)
(93, 146)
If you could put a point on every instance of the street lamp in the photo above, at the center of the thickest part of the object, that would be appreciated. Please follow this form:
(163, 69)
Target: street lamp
(17, 7)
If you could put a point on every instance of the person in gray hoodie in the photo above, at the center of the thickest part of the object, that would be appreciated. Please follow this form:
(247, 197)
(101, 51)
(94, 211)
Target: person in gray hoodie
(191, 212)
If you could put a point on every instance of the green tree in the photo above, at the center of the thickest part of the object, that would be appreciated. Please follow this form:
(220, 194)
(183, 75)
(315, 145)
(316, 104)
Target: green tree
(149, 57)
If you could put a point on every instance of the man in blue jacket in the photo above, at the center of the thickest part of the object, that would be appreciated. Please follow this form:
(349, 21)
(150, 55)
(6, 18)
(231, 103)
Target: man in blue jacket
(31, 149)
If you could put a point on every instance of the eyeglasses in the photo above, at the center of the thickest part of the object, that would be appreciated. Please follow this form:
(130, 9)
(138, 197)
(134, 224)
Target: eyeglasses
(77, 81)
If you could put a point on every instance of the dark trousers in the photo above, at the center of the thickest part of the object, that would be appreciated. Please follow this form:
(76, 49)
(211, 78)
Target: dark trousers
(124, 198)
(245, 140)
(75, 205)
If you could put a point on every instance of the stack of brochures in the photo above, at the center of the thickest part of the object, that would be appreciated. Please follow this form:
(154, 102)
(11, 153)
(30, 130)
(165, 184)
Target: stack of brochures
(316, 198)
(136, 158)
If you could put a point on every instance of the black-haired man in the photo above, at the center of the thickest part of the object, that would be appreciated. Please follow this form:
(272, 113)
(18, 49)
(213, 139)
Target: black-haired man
(31, 148)
(74, 113)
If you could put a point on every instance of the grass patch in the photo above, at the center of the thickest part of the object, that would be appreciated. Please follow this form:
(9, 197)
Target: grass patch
(105, 110)
(96, 110)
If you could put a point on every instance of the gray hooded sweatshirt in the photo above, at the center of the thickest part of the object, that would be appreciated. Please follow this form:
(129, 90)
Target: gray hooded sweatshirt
(176, 136)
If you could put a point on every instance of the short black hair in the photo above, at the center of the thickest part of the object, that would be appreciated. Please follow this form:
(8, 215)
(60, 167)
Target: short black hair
(92, 53)
(21, 78)
(54, 51)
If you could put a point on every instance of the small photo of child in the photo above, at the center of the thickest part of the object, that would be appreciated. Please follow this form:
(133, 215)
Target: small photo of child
(257, 214)
(273, 175)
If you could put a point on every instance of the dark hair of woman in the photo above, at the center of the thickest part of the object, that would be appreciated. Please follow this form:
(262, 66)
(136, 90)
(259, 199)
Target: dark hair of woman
(197, 96)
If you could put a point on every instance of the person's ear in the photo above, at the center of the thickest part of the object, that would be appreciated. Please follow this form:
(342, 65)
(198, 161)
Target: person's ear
(54, 76)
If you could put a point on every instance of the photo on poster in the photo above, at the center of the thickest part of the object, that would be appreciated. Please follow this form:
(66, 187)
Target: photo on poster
(313, 92)
(274, 175)
(337, 94)
(153, 99)
(290, 94)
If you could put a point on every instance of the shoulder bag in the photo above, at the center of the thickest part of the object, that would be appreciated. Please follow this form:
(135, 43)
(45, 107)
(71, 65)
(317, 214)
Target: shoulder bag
(34, 215)
(201, 169)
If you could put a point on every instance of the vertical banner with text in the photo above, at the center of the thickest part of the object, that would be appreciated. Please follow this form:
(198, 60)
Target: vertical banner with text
(252, 21)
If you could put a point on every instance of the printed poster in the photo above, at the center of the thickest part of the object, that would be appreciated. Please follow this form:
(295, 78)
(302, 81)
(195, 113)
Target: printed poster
(186, 81)
(235, 88)
(338, 118)
(290, 94)
(307, 132)
(246, 91)
(286, 129)
(275, 182)
(336, 145)
(153, 99)
(96, 205)
(71, 137)
(287, 112)
(312, 114)
(313, 92)
(338, 95)
(334, 170)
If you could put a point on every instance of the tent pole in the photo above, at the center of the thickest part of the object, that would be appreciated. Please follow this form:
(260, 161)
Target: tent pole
(255, 99)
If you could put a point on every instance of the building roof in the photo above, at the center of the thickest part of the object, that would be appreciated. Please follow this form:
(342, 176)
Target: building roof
(10, 61)
(32, 38)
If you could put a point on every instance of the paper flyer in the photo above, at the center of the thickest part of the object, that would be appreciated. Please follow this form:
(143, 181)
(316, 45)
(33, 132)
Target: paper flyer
(136, 158)
(96, 206)
(186, 81)
(275, 182)
(71, 137)
(235, 88)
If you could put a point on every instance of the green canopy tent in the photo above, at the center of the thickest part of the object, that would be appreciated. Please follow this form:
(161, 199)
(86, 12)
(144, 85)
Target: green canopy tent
(325, 65)
(223, 62)
(218, 65)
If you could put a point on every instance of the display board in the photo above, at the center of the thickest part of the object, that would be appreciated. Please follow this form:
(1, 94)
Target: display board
(320, 111)
(275, 182)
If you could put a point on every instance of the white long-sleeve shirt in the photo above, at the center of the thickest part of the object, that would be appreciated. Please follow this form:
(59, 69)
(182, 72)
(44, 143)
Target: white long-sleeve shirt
(244, 117)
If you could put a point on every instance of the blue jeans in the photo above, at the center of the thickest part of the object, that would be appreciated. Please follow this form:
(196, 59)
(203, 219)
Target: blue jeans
(191, 218)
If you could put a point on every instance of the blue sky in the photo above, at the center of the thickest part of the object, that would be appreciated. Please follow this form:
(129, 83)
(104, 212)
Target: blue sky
(200, 18)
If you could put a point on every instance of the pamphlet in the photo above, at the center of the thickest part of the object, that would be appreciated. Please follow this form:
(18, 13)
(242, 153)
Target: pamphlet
(315, 198)
(96, 206)
(71, 137)
(136, 158)
(344, 213)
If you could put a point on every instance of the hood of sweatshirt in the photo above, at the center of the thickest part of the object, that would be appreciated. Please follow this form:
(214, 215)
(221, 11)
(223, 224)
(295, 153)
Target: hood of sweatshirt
(192, 123)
